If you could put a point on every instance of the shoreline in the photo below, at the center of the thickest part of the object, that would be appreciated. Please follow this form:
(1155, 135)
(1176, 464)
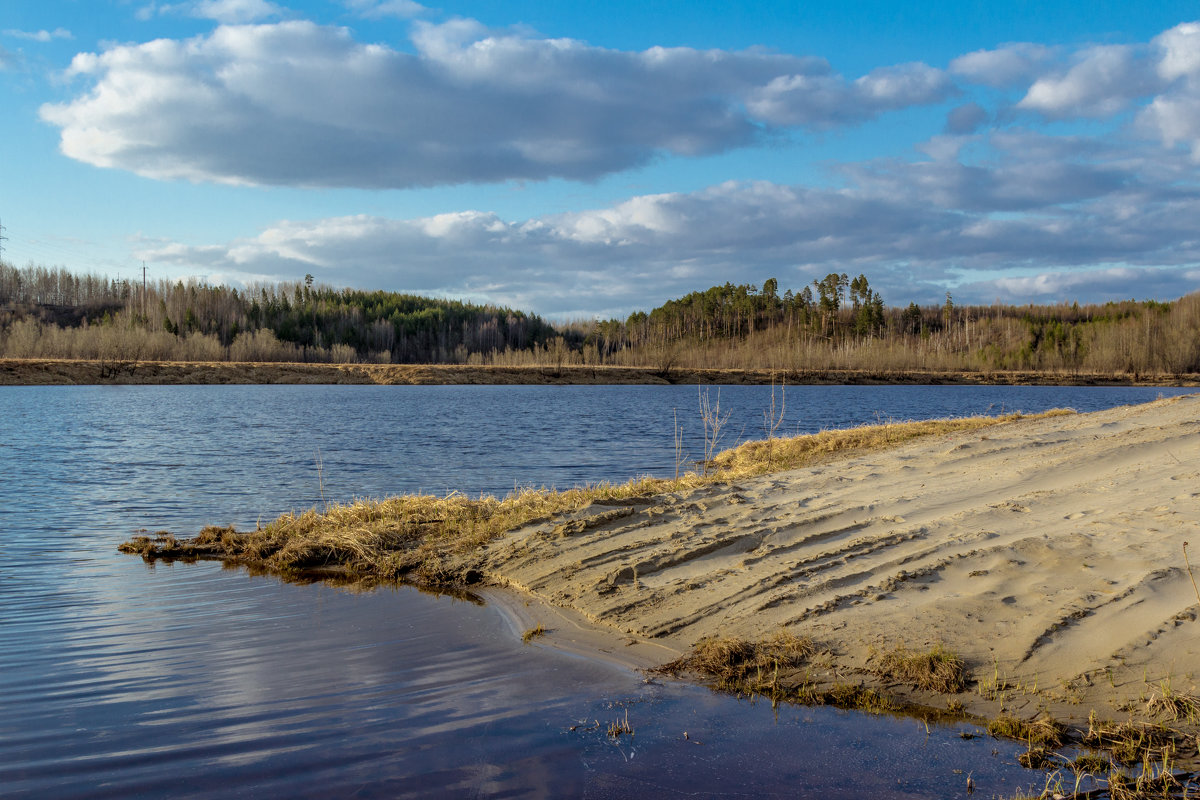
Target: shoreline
(1048, 553)
(63, 372)
(569, 631)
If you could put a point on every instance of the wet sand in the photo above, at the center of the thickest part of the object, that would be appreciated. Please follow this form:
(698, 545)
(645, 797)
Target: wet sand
(1049, 554)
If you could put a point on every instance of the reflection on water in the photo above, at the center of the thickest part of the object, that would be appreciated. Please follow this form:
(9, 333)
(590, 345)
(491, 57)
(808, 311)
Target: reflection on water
(193, 680)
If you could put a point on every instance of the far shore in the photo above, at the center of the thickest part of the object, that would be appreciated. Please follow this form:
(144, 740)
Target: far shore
(66, 372)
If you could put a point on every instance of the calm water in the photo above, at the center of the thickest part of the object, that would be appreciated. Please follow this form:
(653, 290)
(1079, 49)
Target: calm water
(192, 680)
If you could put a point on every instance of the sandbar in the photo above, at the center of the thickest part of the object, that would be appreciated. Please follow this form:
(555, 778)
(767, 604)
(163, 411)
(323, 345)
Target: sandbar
(1048, 553)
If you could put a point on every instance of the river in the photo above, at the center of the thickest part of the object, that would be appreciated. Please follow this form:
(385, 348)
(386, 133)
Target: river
(192, 680)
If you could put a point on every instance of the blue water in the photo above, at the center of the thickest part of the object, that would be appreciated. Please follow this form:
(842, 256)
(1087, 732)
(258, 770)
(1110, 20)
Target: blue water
(118, 678)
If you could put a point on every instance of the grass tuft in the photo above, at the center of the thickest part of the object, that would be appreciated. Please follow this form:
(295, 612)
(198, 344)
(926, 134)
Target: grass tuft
(741, 665)
(1043, 732)
(533, 633)
(1165, 701)
(938, 670)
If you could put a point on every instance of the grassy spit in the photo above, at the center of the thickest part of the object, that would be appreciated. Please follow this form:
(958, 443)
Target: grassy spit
(429, 539)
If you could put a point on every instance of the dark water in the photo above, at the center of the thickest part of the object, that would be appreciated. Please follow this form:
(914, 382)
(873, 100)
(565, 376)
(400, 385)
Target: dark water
(117, 679)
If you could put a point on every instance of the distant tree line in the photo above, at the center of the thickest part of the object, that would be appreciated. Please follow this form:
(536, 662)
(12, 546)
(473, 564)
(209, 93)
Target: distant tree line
(836, 322)
(54, 313)
(839, 322)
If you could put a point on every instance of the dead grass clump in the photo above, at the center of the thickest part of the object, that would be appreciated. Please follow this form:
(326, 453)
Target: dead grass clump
(534, 632)
(1091, 764)
(1129, 742)
(1036, 757)
(1150, 782)
(937, 670)
(620, 727)
(740, 665)
(1041, 732)
(860, 698)
(1165, 701)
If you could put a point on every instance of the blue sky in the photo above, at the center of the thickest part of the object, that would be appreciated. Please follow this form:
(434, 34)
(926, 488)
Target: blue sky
(586, 159)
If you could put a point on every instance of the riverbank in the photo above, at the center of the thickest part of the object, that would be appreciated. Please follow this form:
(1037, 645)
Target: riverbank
(33, 372)
(1048, 554)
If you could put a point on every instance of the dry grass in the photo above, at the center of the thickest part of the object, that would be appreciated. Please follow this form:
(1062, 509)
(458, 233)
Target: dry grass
(1166, 701)
(1041, 733)
(759, 457)
(938, 670)
(1129, 742)
(620, 727)
(430, 538)
(386, 539)
(741, 665)
(532, 633)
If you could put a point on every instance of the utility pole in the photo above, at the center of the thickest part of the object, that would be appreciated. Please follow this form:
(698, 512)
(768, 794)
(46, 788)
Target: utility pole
(143, 290)
(3, 239)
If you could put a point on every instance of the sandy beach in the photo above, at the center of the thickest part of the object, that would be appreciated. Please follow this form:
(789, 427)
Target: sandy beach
(1049, 554)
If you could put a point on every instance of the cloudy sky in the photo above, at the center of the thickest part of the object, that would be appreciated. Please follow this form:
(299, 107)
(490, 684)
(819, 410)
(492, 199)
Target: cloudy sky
(583, 159)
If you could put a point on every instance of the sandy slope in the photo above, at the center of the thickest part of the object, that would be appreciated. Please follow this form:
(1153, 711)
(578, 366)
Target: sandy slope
(1048, 553)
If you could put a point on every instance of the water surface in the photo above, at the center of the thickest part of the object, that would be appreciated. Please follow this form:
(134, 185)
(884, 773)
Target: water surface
(198, 681)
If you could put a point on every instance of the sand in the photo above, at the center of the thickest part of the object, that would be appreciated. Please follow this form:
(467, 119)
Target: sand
(1049, 554)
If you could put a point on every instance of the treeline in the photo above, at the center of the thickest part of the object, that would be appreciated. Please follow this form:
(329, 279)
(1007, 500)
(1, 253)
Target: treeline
(52, 313)
(835, 323)
(841, 323)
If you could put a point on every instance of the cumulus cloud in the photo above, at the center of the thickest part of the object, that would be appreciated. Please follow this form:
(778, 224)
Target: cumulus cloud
(1174, 115)
(1039, 206)
(822, 100)
(1159, 81)
(1011, 65)
(471, 105)
(1103, 81)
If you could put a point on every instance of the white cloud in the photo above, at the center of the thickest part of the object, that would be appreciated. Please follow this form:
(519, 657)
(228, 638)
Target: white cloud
(472, 105)
(376, 9)
(1103, 81)
(1039, 205)
(42, 36)
(1011, 65)
(1088, 285)
(233, 12)
(1180, 51)
(8, 60)
(818, 99)
(1174, 116)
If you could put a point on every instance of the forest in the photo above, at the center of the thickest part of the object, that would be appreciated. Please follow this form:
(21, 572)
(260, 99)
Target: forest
(834, 323)
(53, 313)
